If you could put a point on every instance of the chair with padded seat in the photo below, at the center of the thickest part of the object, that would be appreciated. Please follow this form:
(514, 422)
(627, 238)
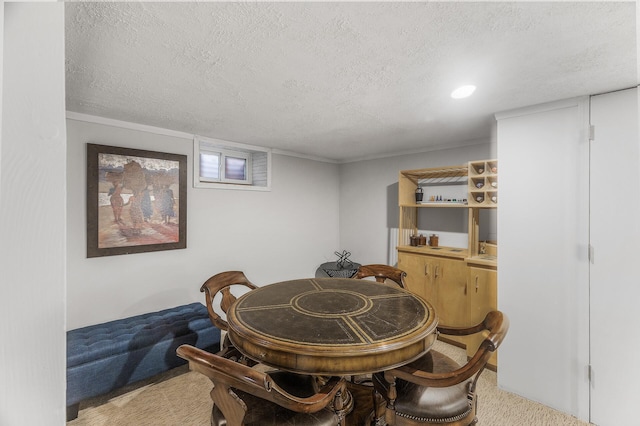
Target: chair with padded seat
(381, 273)
(225, 284)
(435, 390)
(243, 396)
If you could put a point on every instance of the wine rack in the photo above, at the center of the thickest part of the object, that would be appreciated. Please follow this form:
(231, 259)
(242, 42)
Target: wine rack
(483, 183)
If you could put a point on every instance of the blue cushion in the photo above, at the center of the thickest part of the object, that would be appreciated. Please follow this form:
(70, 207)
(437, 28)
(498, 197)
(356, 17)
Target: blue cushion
(103, 357)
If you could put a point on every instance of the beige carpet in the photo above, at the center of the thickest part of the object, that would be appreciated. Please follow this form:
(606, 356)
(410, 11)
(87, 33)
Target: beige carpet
(181, 397)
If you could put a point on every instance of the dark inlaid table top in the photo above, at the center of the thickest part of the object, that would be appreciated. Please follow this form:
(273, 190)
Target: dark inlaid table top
(332, 326)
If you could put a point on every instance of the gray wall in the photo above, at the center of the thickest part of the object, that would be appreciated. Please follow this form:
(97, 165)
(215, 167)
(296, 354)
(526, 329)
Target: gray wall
(314, 209)
(32, 208)
(271, 236)
(369, 198)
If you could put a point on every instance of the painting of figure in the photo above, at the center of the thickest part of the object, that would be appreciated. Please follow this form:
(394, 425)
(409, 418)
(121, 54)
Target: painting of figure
(136, 200)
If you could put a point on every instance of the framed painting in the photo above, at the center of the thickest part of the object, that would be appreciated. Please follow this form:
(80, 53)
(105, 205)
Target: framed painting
(136, 201)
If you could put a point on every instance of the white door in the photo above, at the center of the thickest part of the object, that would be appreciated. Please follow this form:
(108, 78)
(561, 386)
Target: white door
(543, 271)
(615, 270)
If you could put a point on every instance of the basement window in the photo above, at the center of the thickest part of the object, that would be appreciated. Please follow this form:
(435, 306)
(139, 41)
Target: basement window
(229, 165)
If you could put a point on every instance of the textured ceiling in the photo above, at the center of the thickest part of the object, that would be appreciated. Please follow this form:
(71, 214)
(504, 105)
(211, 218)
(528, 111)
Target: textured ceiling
(341, 81)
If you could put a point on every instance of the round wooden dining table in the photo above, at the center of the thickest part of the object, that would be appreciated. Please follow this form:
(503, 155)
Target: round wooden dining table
(332, 326)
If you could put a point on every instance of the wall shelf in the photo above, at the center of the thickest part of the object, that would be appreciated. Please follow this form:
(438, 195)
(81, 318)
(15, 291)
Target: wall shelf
(451, 175)
(481, 192)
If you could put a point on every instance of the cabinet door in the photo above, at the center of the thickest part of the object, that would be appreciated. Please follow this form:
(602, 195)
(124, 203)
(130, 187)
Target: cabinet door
(431, 291)
(442, 282)
(421, 277)
(483, 297)
(415, 267)
(450, 277)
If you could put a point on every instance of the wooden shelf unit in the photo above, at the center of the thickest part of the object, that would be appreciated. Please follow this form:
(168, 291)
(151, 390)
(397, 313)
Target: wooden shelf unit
(480, 177)
(461, 283)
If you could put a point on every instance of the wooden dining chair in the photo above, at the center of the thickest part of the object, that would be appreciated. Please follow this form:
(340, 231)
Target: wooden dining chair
(435, 390)
(244, 396)
(381, 273)
(225, 284)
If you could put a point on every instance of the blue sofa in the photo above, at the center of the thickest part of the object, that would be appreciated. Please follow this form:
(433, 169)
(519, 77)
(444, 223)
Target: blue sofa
(104, 357)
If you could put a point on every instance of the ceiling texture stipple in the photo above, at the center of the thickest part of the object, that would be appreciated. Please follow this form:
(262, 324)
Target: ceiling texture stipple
(341, 81)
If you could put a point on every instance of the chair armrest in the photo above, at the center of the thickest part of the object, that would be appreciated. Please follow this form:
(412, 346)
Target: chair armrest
(215, 366)
(460, 331)
(441, 380)
(323, 397)
(495, 322)
(239, 376)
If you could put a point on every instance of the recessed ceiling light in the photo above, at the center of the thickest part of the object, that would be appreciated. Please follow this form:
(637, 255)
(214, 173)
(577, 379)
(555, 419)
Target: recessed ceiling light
(463, 92)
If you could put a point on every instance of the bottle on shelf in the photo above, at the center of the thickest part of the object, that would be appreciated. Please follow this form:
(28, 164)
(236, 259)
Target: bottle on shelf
(477, 168)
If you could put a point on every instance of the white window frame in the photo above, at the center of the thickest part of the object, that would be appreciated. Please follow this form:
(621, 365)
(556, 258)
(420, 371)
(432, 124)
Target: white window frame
(222, 170)
(233, 149)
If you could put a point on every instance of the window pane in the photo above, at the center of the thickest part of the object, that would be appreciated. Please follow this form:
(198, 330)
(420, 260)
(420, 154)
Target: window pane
(235, 168)
(210, 166)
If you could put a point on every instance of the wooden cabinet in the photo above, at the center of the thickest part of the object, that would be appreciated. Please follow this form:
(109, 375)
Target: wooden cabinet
(482, 290)
(460, 282)
(441, 281)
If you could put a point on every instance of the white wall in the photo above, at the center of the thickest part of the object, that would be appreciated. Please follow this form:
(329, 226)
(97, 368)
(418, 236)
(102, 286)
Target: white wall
(614, 235)
(543, 264)
(369, 198)
(271, 236)
(32, 216)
